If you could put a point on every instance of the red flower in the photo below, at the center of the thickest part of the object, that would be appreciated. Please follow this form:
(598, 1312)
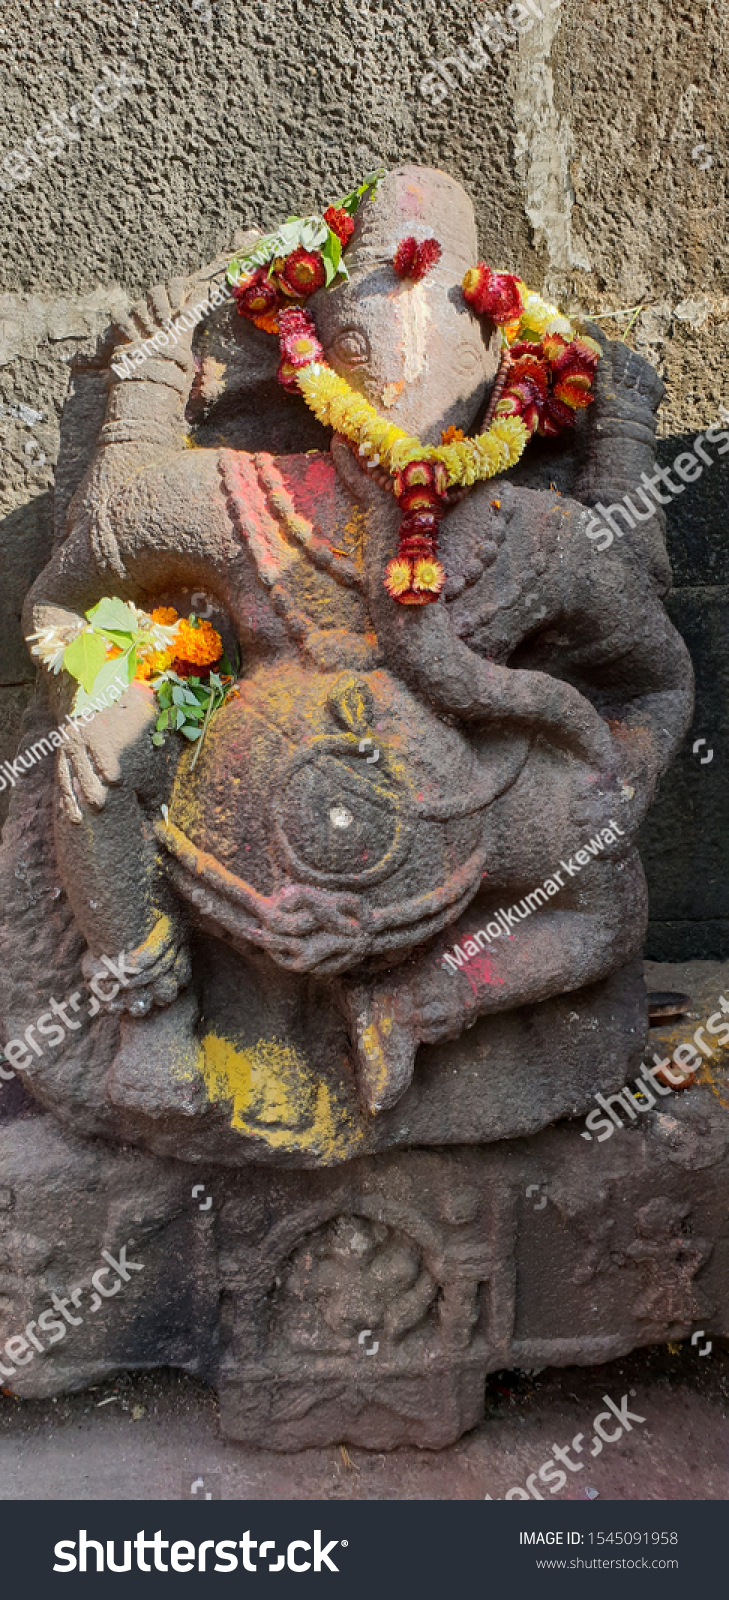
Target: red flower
(287, 375)
(421, 525)
(573, 367)
(526, 349)
(299, 343)
(256, 295)
(555, 416)
(562, 354)
(413, 260)
(416, 582)
(526, 391)
(427, 255)
(423, 475)
(303, 271)
(340, 223)
(573, 389)
(529, 369)
(416, 500)
(294, 317)
(404, 257)
(498, 295)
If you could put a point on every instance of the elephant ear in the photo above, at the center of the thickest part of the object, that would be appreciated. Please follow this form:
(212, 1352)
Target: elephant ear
(236, 399)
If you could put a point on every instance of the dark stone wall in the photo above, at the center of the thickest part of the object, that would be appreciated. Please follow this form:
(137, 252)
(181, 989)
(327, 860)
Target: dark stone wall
(685, 841)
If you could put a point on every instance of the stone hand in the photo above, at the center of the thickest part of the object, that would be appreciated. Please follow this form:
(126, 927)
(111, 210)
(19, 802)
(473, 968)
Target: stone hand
(624, 378)
(154, 973)
(159, 312)
(90, 761)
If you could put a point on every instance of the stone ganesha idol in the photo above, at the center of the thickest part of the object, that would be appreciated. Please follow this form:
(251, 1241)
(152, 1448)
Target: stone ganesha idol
(385, 776)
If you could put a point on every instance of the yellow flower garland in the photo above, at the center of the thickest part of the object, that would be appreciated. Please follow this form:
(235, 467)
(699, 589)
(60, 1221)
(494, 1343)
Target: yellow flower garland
(467, 461)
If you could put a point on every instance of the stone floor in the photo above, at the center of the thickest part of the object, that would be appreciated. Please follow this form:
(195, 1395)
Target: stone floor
(155, 1435)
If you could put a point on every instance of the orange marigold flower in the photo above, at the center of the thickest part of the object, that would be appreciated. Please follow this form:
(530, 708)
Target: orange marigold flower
(157, 661)
(268, 322)
(200, 645)
(165, 615)
(451, 435)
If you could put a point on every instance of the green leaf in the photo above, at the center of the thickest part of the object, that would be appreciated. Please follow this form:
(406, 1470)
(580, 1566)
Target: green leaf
(190, 732)
(351, 202)
(313, 232)
(112, 672)
(180, 717)
(157, 738)
(164, 695)
(115, 636)
(196, 712)
(84, 658)
(163, 721)
(178, 694)
(331, 256)
(114, 615)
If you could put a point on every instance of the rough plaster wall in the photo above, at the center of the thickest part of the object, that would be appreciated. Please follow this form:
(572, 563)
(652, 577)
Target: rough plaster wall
(596, 150)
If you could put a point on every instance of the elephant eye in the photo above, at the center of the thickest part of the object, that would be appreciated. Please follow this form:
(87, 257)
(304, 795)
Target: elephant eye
(467, 359)
(351, 347)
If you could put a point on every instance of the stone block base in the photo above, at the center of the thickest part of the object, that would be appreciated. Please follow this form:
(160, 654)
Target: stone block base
(366, 1304)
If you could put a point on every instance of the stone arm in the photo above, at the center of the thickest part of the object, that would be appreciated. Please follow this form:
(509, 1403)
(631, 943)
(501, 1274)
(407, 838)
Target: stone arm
(620, 447)
(113, 522)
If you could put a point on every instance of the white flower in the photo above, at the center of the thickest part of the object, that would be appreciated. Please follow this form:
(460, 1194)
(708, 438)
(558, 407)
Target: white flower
(51, 643)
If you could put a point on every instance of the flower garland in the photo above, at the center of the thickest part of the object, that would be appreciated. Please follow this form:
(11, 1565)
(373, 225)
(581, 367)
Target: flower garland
(545, 377)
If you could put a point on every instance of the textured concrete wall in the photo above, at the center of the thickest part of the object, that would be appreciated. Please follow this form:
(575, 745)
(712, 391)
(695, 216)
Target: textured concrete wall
(595, 146)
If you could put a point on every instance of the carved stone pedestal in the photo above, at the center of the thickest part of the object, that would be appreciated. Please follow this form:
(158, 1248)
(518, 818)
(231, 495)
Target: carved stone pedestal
(366, 1304)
